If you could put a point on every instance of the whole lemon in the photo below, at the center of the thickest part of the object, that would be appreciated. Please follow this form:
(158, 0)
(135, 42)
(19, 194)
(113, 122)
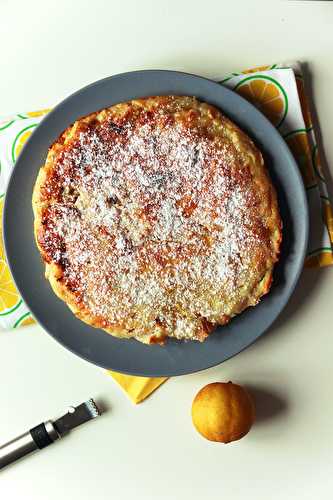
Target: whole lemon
(223, 412)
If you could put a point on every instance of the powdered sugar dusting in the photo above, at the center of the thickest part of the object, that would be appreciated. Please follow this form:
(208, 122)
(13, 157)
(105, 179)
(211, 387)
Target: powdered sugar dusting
(152, 225)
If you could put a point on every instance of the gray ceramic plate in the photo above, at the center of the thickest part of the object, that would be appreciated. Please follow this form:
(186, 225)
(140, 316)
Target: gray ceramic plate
(175, 358)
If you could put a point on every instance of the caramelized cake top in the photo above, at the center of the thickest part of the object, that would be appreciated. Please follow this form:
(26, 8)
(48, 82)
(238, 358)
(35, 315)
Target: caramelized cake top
(156, 218)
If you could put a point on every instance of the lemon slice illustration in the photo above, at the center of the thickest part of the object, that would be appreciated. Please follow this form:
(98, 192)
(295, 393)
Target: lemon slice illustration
(267, 95)
(20, 139)
(25, 320)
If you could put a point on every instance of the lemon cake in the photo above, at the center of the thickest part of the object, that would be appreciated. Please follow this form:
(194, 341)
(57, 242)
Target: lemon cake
(157, 218)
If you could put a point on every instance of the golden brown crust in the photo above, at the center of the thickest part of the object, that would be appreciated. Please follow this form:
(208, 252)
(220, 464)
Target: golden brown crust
(156, 218)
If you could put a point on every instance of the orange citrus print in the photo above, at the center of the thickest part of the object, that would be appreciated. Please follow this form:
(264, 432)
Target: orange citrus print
(267, 95)
(299, 145)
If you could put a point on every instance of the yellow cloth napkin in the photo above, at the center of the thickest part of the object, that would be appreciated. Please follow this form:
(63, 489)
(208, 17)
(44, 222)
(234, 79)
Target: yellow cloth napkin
(137, 388)
(278, 91)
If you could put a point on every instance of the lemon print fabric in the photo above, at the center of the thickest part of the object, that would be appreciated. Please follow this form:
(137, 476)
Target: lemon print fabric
(34, 114)
(41, 112)
(304, 102)
(2, 251)
(278, 91)
(328, 215)
(9, 296)
(20, 139)
(298, 143)
(13, 311)
(258, 69)
(316, 162)
(320, 259)
(6, 124)
(267, 95)
(25, 320)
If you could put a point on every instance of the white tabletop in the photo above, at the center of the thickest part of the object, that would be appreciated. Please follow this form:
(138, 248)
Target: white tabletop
(48, 50)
